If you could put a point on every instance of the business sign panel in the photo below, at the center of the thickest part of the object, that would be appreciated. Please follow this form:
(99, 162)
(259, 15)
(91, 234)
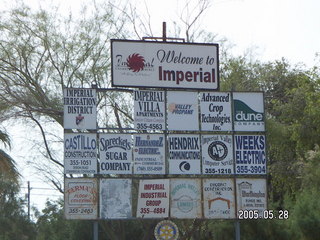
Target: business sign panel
(217, 154)
(248, 111)
(80, 153)
(80, 108)
(149, 154)
(219, 200)
(251, 196)
(149, 110)
(250, 154)
(182, 111)
(184, 153)
(115, 153)
(80, 198)
(164, 64)
(115, 198)
(215, 111)
(185, 197)
(153, 198)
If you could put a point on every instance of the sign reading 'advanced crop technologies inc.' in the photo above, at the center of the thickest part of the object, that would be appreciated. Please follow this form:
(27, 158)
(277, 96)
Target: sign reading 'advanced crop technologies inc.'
(165, 65)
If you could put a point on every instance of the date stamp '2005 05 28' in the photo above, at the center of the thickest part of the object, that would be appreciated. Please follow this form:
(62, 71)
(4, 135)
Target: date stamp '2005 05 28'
(266, 214)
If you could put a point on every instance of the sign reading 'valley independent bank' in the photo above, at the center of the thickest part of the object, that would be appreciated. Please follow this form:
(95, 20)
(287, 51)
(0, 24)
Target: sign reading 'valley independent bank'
(165, 64)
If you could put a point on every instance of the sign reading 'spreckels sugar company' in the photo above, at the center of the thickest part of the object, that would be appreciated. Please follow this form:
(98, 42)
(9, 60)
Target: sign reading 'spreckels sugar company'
(149, 110)
(80, 153)
(250, 154)
(215, 111)
(80, 108)
(165, 64)
(115, 153)
(248, 112)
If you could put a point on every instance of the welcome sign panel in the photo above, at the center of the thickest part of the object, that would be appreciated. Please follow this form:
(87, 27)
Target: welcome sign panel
(164, 65)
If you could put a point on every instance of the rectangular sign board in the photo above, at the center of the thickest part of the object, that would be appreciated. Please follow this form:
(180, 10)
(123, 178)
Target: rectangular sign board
(80, 198)
(153, 199)
(115, 198)
(80, 153)
(165, 64)
(80, 108)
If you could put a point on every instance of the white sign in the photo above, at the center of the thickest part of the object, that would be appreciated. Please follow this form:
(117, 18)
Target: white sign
(248, 111)
(182, 111)
(185, 197)
(219, 201)
(164, 64)
(80, 108)
(115, 198)
(217, 154)
(251, 196)
(149, 154)
(153, 199)
(184, 154)
(80, 153)
(115, 153)
(149, 110)
(250, 154)
(215, 111)
(80, 198)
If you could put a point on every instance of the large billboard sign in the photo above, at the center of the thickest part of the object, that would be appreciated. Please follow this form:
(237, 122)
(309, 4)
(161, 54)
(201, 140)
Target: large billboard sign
(80, 108)
(165, 65)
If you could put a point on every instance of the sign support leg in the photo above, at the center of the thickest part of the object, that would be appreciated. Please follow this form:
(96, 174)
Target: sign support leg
(95, 230)
(237, 229)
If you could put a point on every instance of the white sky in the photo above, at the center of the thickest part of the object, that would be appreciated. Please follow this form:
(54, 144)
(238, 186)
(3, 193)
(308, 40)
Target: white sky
(275, 28)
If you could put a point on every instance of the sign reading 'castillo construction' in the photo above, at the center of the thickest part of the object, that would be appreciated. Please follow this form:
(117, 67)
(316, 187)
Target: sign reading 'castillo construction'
(165, 65)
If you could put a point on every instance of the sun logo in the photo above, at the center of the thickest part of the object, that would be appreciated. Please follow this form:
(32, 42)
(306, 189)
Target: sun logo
(135, 62)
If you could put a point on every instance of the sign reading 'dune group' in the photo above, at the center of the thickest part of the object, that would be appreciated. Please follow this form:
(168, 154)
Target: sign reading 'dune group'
(217, 154)
(219, 201)
(115, 198)
(182, 110)
(250, 154)
(115, 153)
(251, 194)
(153, 198)
(80, 153)
(80, 198)
(215, 111)
(248, 108)
(149, 110)
(185, 198)
(164, 64)
(80, 108)
(149, 154)
(184, 153)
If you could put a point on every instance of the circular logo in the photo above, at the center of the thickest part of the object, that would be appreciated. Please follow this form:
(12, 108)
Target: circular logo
(217, 150)
(166, 230)
(184, 166)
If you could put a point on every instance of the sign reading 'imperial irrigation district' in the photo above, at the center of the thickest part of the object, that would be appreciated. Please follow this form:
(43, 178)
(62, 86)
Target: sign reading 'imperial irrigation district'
(165, 65)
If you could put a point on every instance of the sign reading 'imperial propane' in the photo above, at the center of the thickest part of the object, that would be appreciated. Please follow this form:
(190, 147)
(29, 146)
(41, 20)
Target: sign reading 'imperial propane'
(165, 65)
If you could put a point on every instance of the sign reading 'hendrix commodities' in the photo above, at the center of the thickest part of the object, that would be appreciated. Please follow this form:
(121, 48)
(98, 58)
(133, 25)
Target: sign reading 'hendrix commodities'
(80, 110)
(165, 65)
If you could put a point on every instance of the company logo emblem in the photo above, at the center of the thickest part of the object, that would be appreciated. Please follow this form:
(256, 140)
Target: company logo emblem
(135, 62)
(243, 113)
(79, 119)
(185, 203)
(218, 151)
(166, 230)
(184, 166)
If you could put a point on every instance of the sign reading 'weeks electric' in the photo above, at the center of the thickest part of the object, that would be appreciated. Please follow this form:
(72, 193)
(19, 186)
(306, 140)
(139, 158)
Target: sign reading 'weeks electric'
(165, 65)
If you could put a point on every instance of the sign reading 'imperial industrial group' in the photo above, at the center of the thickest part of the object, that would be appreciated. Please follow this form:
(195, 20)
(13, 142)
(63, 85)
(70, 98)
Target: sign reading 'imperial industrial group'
(165, 65)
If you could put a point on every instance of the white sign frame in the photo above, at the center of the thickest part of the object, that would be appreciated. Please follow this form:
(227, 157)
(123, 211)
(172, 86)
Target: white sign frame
(164, 64)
